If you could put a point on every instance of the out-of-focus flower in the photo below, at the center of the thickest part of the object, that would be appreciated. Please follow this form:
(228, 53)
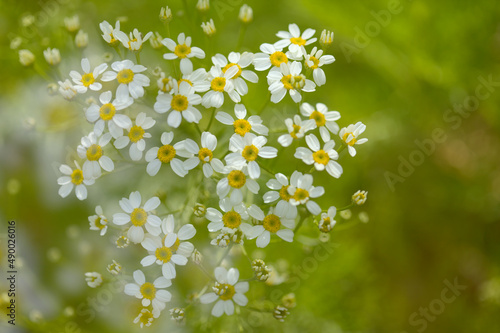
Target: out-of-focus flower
(52, 56)
(359, 197)
(26, 57)
(93, 279)
(209, 28)
(72, 23)
(81, 39)
(246, 14)
(326, 38)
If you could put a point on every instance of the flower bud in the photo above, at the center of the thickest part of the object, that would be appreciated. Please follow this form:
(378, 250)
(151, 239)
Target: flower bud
(81, 39)
(52, 56)
(209, 28)
(359, 197)
(246, 14)
(26, 58)
(165, 14)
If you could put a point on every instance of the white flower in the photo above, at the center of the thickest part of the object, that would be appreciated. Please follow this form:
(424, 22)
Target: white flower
(270, 56)
(196, 79)
(240, 124)
(67, 89)
(138, 216)
(128, 76)
(279, 191)
(108, 32)
(314, 61)
(150, 293)
(165, 14)
(296, 130)
(359, 198)
(72, 23)
(322, 158)
(327, 222)
(91, 149)
(226, 290)
(185, 232)
(220, 82)
(81, 39)
(114, 268)
(301, 191)
(234, 182)
(134, 41)
(271, 223)
(136, 135)
(26, 57)
(93, 279)
(246, 14)
(73, 178)
(180, 102)
(209, 28)
(146, 317)
(106, 113)
(288, 79)
(240, 61)
(165, 84)
(99, 221)
(294, 39)
(231, 219)
(350, 136)
(166, 154)
(52, 56)
(203, 5)
(323, 119)
(155, 40)
(203, 155)
(326, 38)
(246, 150)
(88, 79)
(183, 50)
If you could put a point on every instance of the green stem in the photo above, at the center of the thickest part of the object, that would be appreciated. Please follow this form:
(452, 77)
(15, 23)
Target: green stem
(224, 255)
(243, 29)
(138, 57)
(211, 120)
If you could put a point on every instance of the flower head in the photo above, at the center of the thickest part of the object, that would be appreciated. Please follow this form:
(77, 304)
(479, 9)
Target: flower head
(322, 157)
(73, 178)
(136, 135)
(150, 293)
(127, 74)
(323, 119)
(91, 149)
(87, 80)
(350, 136)
(240, 124)
(293, 39)
(99, 222)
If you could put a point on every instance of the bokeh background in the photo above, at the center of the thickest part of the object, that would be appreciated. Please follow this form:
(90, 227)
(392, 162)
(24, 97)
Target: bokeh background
(405, 69)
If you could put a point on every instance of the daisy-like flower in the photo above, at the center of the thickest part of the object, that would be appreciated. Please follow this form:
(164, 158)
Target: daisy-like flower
(136, 135)
(327, 222)
(302, 190)
(288, 79)
(165, 84)
(271, 223)
(94, 279)
(150, 293)
(180, 102)
(233, 217)
(350, 136)
(240, 61)
(145, 318)
(73, 178)
(246, 150)
(134, 41)
(108, 32)
(203, 155)
(99, 222)
(296, 129)
(235, 181)
(323, 119)
(138, 216)
(220, 82)
(279, 191)
(293, 39)
(106, 113)
(89, 77)
(196, 78)
(240, 124)
(314, 61)
(169, 251)
(166, 154)
(226, 290)
(114, 268)
(270, 56)
(128, 76)
(359, 198)
(67, 89)
(182, 50)
(322, 158)
(91, 149)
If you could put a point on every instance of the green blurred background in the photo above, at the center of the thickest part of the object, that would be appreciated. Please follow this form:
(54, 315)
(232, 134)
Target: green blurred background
(402, 75)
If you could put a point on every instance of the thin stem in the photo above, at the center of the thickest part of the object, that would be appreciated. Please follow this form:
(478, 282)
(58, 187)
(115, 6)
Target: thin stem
(224, 255)
(211, 120)
(346, 207)
(243, 29)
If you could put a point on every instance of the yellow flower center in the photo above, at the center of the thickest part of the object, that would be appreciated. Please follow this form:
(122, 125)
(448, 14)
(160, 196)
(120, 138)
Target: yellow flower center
(298, 41)
(218, 84)
(163, 254)
(284, 195)
(287, 81)
(87, 79)
(107, 111)
(136, 133)
(174, 247)
(205, 155)
(325, 226)
(242, 126)
(146, 318)
(130, 43)
(125, 76)
(100, 223)
(277, 58)
(250, 153)
(184, 80)
(166, 153)
(138, 217)
(236, 179)
(353, 140)
(315, 62)
(229, 66)
(94, 152)
(182, 50)
(300, 194)
(179, 103)
(231, 220)
(166, 87)
(318, 117)
(295, 131)
(148, 290)
(271, 223)
(321, 157)
(122, 241)
(77, 177)
(228, 292)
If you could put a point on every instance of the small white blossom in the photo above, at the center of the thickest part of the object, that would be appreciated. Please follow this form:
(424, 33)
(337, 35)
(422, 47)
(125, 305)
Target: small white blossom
(350, 136)
(93, 279)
